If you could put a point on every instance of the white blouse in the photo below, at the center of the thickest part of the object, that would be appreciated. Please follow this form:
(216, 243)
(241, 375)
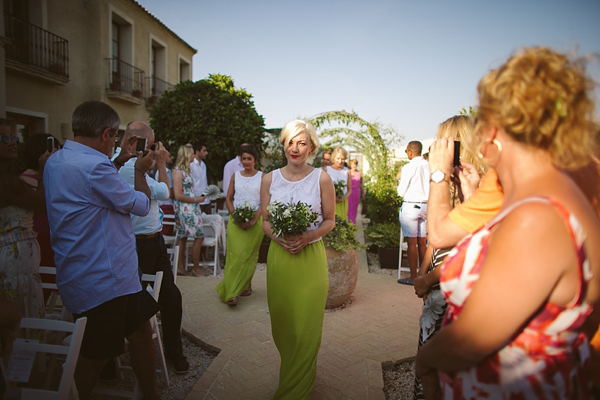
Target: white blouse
(337, 176)
(247, 190)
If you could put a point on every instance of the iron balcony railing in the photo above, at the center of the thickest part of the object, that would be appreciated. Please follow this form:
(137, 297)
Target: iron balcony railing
(31, 45)
(157, 87)
(124, 77)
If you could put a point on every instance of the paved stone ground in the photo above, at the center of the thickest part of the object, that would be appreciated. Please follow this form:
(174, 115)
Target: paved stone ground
(380, 325)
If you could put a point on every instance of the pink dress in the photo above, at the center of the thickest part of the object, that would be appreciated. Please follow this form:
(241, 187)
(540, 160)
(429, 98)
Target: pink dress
(354, 197)
(549, 358)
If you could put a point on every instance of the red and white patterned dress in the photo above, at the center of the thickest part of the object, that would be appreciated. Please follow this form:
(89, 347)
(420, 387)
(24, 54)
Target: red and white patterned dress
(549, 358)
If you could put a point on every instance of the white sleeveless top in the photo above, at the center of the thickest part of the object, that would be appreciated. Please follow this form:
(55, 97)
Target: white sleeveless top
(337, 176)
(306, 190)
(247, 190)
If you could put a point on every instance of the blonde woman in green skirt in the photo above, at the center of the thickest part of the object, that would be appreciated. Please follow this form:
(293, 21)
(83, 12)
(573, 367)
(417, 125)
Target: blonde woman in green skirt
(339, 173)
(244, 235)
(297, 277)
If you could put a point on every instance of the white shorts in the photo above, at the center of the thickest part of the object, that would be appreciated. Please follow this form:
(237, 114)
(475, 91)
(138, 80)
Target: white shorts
(413, 218)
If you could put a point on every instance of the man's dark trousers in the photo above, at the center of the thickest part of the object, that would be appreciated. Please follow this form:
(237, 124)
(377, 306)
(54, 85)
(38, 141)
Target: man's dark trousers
(153, 257)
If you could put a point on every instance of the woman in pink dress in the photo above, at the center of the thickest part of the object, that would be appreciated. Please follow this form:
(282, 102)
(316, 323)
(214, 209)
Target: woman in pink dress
(520, 289)
(357, 191)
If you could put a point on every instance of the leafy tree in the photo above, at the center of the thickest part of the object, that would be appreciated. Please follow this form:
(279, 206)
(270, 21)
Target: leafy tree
(471, 112)
(213, 112)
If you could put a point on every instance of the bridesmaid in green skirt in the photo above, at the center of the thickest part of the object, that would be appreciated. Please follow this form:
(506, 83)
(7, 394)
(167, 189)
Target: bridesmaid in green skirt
(338, 172)
(243, 238)
(297, 277)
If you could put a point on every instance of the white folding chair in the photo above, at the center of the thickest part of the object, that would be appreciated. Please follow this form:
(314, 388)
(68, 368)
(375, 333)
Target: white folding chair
(53, 304)
(403, 247)
(174, 257)
(66, 389)
(210, 240)
(169, 220)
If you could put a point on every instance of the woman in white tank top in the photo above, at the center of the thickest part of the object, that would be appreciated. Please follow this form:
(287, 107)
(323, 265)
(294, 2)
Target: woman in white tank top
(297, 277)
(339, 173)
(243, 239)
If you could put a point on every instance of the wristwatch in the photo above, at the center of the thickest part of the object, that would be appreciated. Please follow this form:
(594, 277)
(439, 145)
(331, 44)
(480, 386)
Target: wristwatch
(439, 176)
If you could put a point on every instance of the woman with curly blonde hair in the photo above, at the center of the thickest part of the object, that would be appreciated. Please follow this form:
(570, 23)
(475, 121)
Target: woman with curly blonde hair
(519, 289)
(188, 216)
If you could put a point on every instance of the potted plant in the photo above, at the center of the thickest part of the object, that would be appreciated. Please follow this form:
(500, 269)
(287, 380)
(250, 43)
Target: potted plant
(137, 93)
(385, 237)
(342, 260)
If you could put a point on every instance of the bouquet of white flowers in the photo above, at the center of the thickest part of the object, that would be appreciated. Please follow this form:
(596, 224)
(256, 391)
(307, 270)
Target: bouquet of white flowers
(290, 219)
(339, 188)
(212, 192)
(243, 213)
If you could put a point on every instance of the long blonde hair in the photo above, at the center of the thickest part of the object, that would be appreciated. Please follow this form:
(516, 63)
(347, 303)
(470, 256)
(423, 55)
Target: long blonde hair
(185, 155)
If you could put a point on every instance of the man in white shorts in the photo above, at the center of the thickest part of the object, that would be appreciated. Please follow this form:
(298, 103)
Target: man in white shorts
(414, 189)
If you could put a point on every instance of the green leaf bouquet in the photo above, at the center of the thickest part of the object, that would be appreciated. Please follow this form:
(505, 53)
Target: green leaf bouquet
(243, 213)
(339, 188)
(290, 219)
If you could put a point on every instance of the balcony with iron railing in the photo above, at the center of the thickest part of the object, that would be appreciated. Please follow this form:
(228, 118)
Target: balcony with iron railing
(125, 81)
(156, 89)
(35, 51)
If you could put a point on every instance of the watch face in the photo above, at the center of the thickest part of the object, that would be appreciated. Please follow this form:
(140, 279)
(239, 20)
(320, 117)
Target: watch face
(437, 176)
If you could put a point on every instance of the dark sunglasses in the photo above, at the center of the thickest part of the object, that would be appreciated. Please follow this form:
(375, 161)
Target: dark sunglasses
(7, 138)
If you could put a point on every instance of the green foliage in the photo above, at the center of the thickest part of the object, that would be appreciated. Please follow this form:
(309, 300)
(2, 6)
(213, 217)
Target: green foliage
(290, 219)
(343, 236)
(212, 111)
(382, 201)
(243, 213)
(471, 112)
(339, 187)
(386, 234)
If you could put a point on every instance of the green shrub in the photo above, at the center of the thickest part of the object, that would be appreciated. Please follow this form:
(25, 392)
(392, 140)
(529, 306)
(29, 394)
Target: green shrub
(385, 234)
(343, 236)
(383, 202)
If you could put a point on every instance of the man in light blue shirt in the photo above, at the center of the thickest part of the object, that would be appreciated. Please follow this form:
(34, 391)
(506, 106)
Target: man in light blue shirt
(88, 205)
(151, 249)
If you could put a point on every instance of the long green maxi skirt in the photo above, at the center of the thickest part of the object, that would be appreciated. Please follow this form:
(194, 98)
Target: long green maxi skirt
(296, 293)
(242, 256)
(341, 209)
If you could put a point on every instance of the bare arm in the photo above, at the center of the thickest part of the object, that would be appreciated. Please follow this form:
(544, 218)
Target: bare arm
(178, 190)
(530, 261)
(349, 186)
(230, 193)
(441, 230)
(161, 155)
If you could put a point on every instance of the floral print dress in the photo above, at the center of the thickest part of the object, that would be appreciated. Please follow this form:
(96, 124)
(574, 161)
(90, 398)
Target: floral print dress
(20, 260)
(549, 358)
(188, 216)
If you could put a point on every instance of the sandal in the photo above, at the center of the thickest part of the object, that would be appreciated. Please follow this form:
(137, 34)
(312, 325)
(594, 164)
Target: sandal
(406, 281)
(195, 273)
(182, 273)
(232, 301)
(247, 292)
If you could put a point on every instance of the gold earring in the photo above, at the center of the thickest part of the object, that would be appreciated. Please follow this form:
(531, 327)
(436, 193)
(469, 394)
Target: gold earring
(498, 145)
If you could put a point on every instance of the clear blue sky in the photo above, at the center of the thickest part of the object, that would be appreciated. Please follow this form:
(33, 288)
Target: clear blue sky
(408, 64)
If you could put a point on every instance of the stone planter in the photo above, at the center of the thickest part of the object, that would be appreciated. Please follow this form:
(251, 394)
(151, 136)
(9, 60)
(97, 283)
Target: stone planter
(343, 273)
(388, 257)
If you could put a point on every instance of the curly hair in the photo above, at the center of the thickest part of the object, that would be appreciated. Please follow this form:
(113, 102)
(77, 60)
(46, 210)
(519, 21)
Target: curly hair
(541, 98)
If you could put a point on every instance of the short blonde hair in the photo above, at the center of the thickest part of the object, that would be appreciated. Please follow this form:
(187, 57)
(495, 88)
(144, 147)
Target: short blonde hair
(185, 155)
(541, 98)
(337, 151)
(462, 129)
(296, 127)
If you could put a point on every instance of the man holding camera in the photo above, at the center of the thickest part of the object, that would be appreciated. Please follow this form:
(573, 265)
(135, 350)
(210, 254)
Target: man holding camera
(88, 206)
(151, 248)
(413, 187)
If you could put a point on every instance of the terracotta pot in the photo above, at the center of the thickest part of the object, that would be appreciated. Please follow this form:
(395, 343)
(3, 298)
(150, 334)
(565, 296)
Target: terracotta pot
(388, 257)
(343, 273)
(263, 251)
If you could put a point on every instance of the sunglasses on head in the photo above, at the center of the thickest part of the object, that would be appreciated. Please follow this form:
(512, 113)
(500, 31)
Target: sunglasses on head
(7, 138)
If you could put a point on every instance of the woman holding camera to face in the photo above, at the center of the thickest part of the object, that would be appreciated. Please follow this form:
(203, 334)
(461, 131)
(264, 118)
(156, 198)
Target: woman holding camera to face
(188, 216)
(520, 288)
